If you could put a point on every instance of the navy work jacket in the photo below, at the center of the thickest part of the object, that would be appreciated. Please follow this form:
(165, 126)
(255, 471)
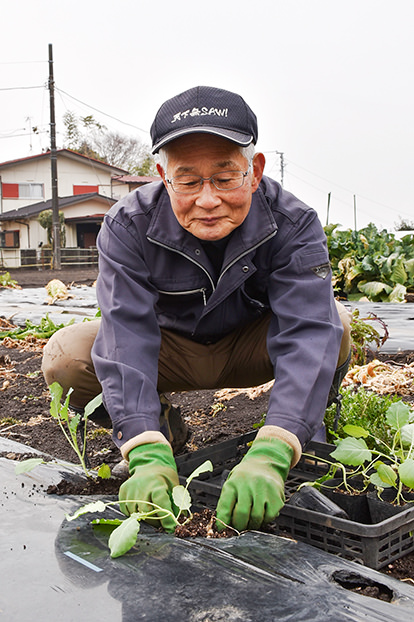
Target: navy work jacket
(153, 273)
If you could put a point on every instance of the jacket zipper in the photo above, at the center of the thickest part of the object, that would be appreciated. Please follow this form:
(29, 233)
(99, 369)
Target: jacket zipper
(236, 259)
(201, 290)
(194, 291)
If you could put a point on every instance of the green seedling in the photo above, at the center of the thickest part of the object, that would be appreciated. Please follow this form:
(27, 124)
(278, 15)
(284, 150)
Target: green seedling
(260, 423)
(124, 536)
(7, 281)
(45, 329)
(217, 407)
(360, 407)
(69, 425)
(386, 464)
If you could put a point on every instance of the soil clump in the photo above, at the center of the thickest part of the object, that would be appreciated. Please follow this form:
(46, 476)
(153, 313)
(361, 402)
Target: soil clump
(203, 524)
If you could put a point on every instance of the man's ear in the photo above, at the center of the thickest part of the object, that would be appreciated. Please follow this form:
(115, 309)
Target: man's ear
(162, 174)
(258, 165)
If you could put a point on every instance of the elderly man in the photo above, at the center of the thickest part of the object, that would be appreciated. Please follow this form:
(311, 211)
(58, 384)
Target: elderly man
(213, 277)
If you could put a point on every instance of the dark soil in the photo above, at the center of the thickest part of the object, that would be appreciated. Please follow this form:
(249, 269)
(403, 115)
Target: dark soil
(203, 524)
(211, 416)
(40, 278)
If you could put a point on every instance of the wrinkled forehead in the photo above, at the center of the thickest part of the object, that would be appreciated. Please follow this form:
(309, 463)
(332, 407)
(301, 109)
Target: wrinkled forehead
(187, 152)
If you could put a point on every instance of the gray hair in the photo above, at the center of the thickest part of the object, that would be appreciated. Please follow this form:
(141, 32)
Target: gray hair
(247, 152)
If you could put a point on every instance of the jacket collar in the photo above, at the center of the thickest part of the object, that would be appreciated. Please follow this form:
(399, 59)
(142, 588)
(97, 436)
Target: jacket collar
(258, 226)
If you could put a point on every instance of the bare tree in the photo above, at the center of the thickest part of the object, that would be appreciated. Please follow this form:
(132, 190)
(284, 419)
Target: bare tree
(88, 137)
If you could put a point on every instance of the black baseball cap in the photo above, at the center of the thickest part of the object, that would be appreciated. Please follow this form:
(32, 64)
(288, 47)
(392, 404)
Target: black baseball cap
(208, 110)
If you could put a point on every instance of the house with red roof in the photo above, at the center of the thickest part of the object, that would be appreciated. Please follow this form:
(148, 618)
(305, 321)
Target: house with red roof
(87, 188)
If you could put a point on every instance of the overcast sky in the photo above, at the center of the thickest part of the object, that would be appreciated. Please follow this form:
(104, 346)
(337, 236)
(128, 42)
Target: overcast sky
(330, 81)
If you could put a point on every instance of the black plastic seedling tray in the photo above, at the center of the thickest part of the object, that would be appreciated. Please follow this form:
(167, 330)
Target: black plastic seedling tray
(373, 545)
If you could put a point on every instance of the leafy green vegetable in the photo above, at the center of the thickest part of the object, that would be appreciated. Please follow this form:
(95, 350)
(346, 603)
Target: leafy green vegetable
(352, 451)
(7, 281)
(95, 506)
(371, 263)
(27, 465)
(44, 330)
(388, 464)
(69, 425)
(364, 409)
(124, 536)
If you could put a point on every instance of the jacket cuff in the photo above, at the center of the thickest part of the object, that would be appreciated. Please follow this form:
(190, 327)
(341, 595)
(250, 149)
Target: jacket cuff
(273, 431)
(150, 436)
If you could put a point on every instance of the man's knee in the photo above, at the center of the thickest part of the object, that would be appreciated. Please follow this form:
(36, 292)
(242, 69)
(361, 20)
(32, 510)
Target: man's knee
(67, 360)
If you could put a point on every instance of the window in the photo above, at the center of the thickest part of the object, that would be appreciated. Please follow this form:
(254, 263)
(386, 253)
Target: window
(22, 191)
(9, 239)
(30, 191)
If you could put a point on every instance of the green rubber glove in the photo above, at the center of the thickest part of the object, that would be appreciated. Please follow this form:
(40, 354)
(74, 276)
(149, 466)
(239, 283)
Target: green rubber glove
(254, 492)
(153, 476)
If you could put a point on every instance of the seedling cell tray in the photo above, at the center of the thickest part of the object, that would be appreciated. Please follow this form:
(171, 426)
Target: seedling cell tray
(373, 545)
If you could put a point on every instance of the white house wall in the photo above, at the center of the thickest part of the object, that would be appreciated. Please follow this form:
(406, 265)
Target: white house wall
(35, 171)
(32, 235)
(119, 190)
(88, 208)
(71, 236)
(9, 258)
(70, 173)
(73, 173)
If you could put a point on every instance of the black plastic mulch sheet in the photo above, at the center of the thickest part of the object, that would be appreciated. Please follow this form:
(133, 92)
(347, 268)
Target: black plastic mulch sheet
(52, 569)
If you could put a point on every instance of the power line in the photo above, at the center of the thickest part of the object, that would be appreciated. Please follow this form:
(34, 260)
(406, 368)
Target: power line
(21, 88)
(343, 188)
(101, 112)
(22, 62)
(347, 203)
(361, 196)
(25, 134)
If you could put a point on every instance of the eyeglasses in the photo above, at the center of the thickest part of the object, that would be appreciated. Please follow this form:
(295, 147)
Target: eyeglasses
(190, 184)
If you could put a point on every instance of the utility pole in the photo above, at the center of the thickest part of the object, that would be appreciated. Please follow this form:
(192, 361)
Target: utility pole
(53, 167)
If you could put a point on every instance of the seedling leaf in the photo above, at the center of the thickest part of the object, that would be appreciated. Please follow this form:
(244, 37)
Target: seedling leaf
(352, 451)
(387, 476)
(107, 521)
(27, 465)
(56, 393)
(356, 431)
(93, 405)
(73, 424)
(181, 498)
(398, 415)
(64, 408)
(203, 468)
(407, 434)
(406, 472)
(124, 537)
(95, 506)
(376, 480)
(104, 471)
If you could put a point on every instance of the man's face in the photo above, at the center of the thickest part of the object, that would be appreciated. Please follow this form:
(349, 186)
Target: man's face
(210, 214)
